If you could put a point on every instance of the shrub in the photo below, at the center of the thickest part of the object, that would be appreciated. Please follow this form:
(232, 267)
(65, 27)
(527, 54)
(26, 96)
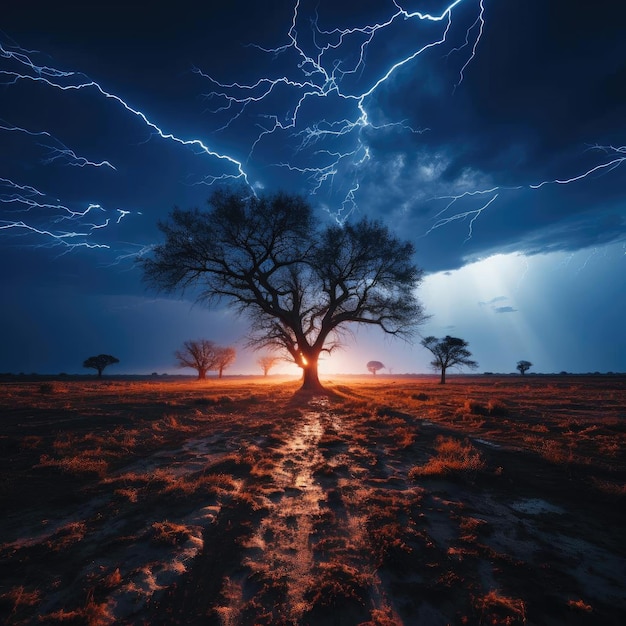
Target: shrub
(453, 456)
(47, 388)
(474, 407)
(493, 408)
(336, 584)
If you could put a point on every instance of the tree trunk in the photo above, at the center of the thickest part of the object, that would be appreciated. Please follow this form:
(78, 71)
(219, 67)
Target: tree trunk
(310, 379)
(219, 374)
(99, 372)
(201, 374)
(443, 376)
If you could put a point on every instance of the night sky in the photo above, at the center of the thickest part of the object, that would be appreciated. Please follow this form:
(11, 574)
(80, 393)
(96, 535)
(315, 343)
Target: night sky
(492, 134)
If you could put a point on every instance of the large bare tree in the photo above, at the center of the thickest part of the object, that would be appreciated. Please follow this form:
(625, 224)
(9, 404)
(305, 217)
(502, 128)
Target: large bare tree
(299, 283)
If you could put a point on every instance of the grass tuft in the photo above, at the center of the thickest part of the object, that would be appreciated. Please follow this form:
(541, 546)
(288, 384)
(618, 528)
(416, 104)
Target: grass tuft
(453, 456)
(498, 609)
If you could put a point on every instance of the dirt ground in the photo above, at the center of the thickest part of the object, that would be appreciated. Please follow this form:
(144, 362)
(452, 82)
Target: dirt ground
(490, 500)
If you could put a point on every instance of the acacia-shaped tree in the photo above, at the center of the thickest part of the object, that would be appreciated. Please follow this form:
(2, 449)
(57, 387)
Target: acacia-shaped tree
(374, 366)
(522, 366)
(100, 362)
(299, 282)
(448, 352)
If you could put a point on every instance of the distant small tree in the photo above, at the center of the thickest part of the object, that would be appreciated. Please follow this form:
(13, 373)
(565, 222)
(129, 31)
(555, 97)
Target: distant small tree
(224, 357)
(448, 352)
(374, 366)
(100, 362)
(203, 356)
(199, 355)
(522, 366)
(267, 362)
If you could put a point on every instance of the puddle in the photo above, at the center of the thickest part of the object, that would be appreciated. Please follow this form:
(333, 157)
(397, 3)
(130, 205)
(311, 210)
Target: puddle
(489, 444)
(282, 541)
(536, 506)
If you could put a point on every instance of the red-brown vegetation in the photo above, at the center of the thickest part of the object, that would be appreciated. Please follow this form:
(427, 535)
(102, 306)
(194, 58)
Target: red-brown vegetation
(387, 501)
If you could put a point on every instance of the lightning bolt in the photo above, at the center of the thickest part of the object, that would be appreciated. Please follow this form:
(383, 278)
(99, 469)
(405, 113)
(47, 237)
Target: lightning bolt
(76, 81)
(31, 201)
(606, 165)
(58, 151)
(325, 104)
(54, 239)
(474, 214)
(328, 70)
(21, 66)
(613, 160)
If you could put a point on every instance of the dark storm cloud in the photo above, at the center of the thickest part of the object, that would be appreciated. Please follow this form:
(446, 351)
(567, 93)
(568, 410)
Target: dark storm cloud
(543, 86)
(546, 85)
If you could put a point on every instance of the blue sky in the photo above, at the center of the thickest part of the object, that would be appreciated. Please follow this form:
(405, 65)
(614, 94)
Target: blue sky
(490, 134)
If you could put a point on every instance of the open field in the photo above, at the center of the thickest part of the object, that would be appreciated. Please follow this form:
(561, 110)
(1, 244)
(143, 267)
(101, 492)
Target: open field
(490, 500)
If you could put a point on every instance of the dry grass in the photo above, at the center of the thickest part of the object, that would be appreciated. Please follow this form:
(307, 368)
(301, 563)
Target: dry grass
(495, 608)
(169, 533)
(98, 477)
(20, 598)
(453, 457)
(89, 462)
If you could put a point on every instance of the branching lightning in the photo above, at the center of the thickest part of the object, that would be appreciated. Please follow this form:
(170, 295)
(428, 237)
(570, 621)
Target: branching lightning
(58, 151)
(324, 111)
(23, 68)
(615, 160)
(327, 68)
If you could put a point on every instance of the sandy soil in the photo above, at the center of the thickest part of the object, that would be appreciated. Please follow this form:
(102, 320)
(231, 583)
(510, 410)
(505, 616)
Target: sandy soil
(388, 501)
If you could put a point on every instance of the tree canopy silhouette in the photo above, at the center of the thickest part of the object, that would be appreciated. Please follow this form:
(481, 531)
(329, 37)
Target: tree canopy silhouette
(522, 366)
(448, 352)
(224, 357)
(203, 356)
(374, 366)
(100, 362)
(267, 362)
(299, 283)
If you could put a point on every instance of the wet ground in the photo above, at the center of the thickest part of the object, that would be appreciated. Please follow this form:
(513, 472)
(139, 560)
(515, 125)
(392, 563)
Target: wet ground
(261, 507)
